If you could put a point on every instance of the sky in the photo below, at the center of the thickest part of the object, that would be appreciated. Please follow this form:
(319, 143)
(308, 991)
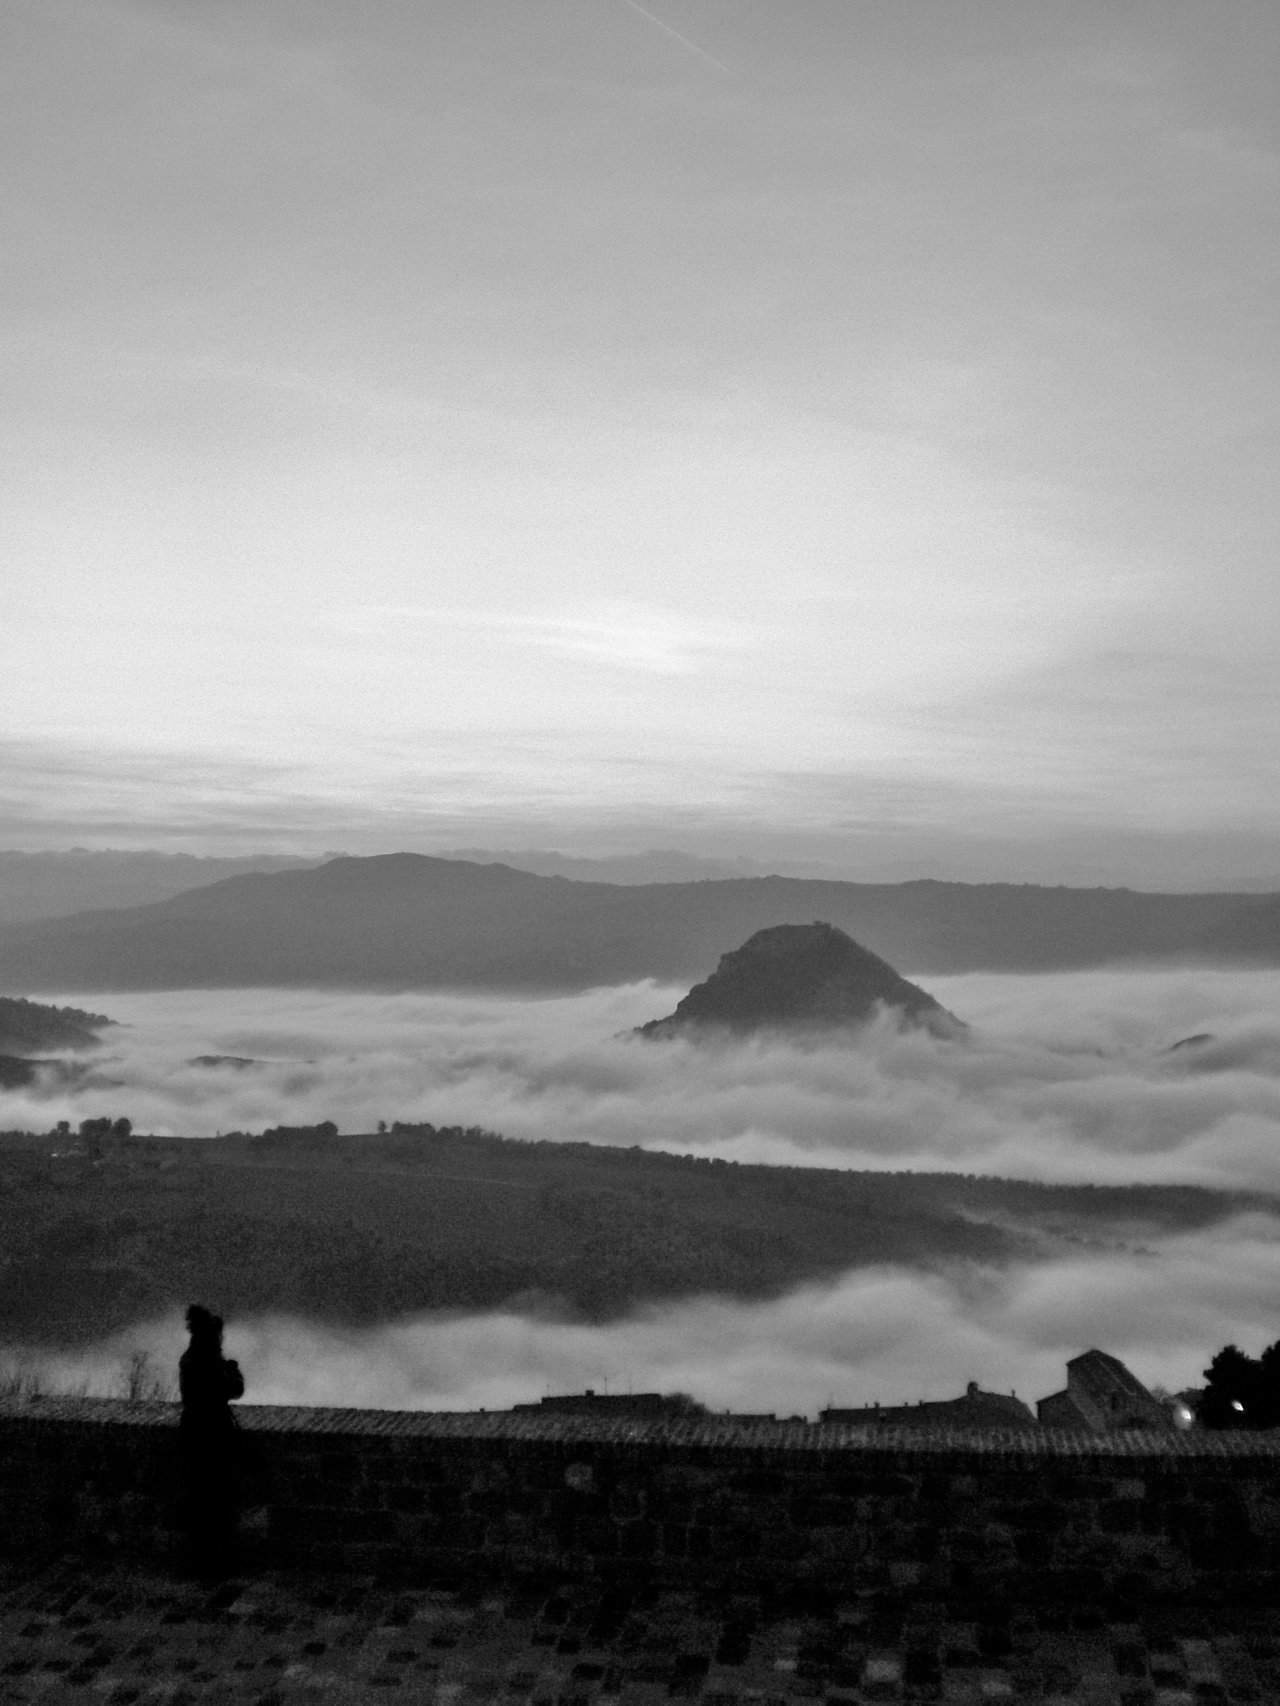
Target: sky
(843, 429)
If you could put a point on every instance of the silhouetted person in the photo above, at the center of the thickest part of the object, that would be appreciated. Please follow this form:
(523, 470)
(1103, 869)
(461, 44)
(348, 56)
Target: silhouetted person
(209, 1443)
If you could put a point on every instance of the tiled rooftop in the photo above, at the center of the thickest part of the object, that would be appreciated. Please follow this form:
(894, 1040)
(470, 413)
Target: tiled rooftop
(714, 1431)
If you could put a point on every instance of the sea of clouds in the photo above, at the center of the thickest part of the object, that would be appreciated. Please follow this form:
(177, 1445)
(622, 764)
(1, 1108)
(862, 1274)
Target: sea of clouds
(1062, 1077)
(887, 1335)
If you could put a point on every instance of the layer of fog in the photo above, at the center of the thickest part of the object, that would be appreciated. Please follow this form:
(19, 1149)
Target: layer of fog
(879, 1335)
(1062, 1077)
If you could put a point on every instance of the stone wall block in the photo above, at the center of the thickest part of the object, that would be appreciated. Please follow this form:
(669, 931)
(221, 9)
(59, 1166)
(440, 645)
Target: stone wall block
(684, 1479)
(840, 1544)
(627, 1501)
(703, 1542)
(1186, 1516)
(568, 1505)
(491, 1477)
(642, 1539)
(1035, 1547)
(1263, 1505)
(757, 1483)
(527, 1502)
(457, 1534)
(343, 1468)
(785, 1545)
(817, 1509)
(1120, 1516)
(488, 1502)
(443, 1502)
(597, 1536)
(675, 1540)
(307, 1524)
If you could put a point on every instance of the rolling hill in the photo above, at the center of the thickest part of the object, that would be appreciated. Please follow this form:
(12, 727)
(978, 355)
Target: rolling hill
(362, 1229)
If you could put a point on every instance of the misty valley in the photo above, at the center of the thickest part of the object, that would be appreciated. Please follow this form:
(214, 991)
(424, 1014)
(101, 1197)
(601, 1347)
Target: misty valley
(437, 1200)
(353, 1231)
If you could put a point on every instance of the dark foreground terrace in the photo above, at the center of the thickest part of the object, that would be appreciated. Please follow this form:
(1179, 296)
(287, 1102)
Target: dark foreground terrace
(571, 1560)
(123, 1635)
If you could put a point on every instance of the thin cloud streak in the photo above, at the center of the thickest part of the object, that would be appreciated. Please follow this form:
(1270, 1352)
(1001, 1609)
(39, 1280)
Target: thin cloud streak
(683, 40)
(623, 635)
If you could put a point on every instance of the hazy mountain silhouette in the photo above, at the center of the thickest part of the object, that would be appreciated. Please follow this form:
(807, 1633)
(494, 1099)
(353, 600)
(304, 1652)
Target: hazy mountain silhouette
(654, 865)
(799, 977)
(405, 920)
(56, 884)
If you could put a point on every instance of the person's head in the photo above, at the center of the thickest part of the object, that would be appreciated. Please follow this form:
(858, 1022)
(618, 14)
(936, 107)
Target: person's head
(203, 1325)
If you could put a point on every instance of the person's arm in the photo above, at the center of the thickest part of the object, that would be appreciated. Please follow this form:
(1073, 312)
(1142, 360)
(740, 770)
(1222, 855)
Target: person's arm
(234, 1378)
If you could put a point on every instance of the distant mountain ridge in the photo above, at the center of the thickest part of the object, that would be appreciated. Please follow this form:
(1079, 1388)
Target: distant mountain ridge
(409, 921)
(57, 884)
(654, 865)
(796, 978)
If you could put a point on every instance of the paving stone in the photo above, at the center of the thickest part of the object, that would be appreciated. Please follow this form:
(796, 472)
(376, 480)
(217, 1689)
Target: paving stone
(284, 1640)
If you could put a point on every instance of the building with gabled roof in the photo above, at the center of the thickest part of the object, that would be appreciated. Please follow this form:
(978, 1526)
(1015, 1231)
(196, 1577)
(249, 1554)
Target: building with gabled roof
(975, 1409)
(1102, 1396)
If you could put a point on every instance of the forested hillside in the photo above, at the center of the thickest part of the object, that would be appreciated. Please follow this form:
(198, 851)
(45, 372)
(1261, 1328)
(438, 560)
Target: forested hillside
(361, 1229)
(33, 1026)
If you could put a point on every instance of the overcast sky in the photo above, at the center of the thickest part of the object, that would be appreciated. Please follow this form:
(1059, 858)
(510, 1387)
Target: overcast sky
(841, 428)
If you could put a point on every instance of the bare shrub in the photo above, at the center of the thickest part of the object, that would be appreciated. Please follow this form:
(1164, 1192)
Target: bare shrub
(141, 1381)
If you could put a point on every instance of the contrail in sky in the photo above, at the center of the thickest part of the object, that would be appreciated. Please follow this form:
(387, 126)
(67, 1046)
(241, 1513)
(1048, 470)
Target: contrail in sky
(683, 40)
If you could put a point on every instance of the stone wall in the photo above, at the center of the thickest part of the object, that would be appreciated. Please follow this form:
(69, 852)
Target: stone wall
(1138, 1518)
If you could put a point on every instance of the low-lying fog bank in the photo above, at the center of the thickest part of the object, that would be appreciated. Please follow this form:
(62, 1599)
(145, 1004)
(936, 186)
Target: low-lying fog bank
(1063, 1077)
(880, 1334)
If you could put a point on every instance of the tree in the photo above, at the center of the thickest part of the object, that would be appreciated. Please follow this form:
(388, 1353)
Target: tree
(1242, 1391)
(92, 1133)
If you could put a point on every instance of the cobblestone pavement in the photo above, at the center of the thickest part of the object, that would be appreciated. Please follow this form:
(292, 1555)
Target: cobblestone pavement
(121, 1636)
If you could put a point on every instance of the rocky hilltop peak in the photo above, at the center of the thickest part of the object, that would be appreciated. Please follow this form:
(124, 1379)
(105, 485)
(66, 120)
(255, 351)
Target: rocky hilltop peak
(801, 977)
